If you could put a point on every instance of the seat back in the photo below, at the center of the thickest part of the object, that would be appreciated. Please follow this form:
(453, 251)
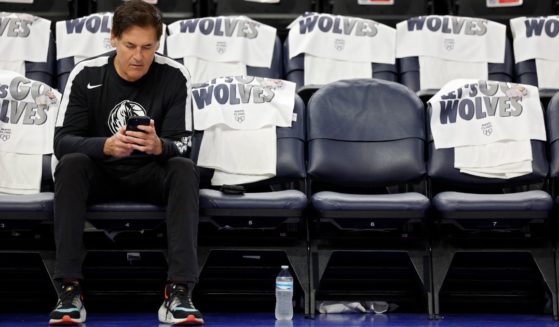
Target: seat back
(389, 14)
(525, 72)
(278, 15)
(290, 164)
(365, 133)
(552, 124)
(502, 13)
(171, 10)
(410, 70)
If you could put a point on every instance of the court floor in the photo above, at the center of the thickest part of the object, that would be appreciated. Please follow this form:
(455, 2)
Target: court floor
(260, 319)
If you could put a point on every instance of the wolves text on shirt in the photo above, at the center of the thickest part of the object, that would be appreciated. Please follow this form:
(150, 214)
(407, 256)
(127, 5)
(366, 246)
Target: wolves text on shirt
(15, 27)
(338, 25)
(448, 25)
(537, 26)
(93, 24)
(479, 100)
(234, 90)
(221, 26)
(14, 109)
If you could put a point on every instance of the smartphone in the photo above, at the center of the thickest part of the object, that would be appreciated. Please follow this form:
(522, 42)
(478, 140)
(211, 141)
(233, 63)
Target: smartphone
(134, 121)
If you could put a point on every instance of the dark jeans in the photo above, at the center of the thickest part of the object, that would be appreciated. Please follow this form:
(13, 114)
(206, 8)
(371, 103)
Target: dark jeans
(79, 179)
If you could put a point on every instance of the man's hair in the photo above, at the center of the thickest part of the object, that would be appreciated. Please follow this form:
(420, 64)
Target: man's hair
(136, 13)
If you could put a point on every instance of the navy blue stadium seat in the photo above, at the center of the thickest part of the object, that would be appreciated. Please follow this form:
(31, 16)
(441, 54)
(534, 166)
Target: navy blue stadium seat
(278, 15)
(366, 141)
(489, 215)
(294, 71)
(17, 211)
(172, 10)
(409, 70)
(382, 13)
(64, 67)
(478, 8)
(26, 222)
(53, 10)
(267, 218)
(526, 73)
(552, 119)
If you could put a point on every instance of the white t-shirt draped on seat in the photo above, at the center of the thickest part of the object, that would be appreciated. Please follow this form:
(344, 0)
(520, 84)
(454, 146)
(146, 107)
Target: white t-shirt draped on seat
(24, 38)
(88, 36)
(213, 47)
(450, 47)
(489, 124)
(28, 113)
(340, 47)
(239, 116)
(538, 38)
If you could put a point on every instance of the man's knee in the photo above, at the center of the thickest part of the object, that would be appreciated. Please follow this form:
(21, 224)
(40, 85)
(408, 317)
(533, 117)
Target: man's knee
(72, 163)
(180, 166)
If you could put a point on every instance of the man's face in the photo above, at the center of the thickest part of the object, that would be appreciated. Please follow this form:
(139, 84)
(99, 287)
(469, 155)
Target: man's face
(135, 50)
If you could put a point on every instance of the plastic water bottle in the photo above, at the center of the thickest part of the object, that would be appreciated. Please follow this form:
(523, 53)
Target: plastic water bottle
(284, 294)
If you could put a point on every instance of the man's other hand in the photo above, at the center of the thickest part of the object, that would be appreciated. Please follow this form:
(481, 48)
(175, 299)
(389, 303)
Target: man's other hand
(117, 145)
(145, 141)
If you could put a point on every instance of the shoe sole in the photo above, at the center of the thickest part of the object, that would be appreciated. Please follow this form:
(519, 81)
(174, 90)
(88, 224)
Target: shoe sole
(66, 320)
(69, 321)
(190, 320)
(167, 318)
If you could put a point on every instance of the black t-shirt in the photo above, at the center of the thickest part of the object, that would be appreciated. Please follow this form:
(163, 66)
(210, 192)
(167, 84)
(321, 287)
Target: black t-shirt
(97, 101)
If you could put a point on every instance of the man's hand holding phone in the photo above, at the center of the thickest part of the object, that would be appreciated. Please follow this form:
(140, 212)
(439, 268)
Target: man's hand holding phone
(141, 135)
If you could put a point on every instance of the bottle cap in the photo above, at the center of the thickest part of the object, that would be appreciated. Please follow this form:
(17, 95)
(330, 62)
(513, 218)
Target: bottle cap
(284, 267)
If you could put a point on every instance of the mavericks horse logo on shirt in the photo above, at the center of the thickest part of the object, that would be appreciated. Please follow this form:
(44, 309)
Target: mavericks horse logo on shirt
(121, 112)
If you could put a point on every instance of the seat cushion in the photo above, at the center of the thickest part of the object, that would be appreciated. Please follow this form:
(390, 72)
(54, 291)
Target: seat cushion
(124, 206)
(114, 215)
(42, 202)
(407, 203)
(526, 204)
(287, 199)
